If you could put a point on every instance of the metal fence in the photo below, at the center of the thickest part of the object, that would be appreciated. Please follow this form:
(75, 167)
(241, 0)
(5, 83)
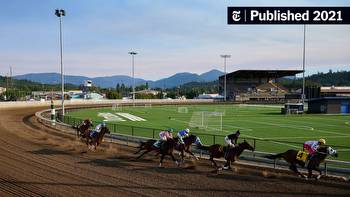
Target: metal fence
(208, 139)
(337, 167)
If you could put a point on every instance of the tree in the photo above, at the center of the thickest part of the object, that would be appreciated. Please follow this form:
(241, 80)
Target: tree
(113, 95)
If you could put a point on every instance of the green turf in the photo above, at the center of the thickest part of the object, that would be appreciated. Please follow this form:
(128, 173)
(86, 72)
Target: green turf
(273, 131)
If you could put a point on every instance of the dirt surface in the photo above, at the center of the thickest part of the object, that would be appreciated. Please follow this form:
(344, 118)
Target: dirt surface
(38, 161)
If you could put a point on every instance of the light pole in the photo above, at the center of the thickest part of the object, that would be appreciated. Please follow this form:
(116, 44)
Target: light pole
(303, 94)
(60, 13)
(133, 53)
(225, 57)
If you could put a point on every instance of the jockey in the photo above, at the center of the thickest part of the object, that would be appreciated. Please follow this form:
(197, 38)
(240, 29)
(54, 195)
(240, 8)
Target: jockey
(97, 129)
(183, 134)
(231, 140)
(312, 146)
(164, 136)
(84, 122)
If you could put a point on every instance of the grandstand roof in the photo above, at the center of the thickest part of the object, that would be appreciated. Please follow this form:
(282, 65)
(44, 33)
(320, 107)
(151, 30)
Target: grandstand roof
(263, 73)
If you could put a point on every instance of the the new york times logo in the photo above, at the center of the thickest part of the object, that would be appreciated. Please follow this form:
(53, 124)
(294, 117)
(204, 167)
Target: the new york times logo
(236, 15)
(288, 15)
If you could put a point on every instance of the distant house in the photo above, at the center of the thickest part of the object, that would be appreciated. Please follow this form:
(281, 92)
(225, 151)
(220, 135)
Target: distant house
(334, 91)
(210, 96)
(2, 90)
(147, 91)
(330, 100)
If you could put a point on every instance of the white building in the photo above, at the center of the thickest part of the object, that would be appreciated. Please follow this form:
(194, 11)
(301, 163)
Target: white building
(2, 90)
(210, 96)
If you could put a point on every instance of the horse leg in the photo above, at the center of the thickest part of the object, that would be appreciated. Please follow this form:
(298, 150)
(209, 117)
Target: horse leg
(161, 160)
(190, 152)
(320, 173)
(212, 161)
(309, 173)
(140, 148)
(294, 168)
(316, 168)
(227, 165)
(147, 151)
(182, 156)
(172, 156)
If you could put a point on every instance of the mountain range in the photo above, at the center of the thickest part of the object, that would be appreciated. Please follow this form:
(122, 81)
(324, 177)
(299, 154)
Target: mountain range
(112, 81)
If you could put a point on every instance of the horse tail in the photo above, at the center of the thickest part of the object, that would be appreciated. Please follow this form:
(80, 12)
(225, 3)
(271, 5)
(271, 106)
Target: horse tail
(276, 156)
(141, 145)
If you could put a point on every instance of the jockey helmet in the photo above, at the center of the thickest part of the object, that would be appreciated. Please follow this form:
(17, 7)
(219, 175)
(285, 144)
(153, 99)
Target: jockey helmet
(170, 130)
(187, 130)
(322, 141)
(103, 124)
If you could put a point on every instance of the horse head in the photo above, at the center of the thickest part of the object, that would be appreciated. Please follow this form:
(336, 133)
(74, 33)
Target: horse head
(327, 150)
(246, 145)
(198, 142)
(332, 152)
(89, 122)
(190, 139)
(105, 130)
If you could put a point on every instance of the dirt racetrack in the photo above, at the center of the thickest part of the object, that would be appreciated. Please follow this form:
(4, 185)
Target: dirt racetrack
(38, 161)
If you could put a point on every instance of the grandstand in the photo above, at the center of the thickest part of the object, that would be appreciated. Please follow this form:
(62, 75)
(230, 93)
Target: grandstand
(255, 85)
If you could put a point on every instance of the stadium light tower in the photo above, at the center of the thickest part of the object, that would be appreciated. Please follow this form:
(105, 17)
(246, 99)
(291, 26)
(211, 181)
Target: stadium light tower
(225, 57)
(133, 53)
(60, 13)
(303, 94)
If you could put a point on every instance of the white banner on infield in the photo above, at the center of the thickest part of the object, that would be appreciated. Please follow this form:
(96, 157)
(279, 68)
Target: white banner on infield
(130, 117)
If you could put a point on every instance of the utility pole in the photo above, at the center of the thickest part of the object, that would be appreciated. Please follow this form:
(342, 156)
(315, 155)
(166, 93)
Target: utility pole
(60, 14)
(303, 93)
(225, 57)
(133, 53)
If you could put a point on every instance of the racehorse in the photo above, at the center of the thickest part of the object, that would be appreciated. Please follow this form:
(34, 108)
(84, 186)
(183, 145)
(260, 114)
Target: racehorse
(147, 146)
(186, 147)
(83, 128)
(218, 151)
(95, 141)
(319, 156)
(167, 148)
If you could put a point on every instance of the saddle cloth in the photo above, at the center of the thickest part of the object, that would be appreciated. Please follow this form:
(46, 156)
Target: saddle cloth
(302, 156)
(93, 134)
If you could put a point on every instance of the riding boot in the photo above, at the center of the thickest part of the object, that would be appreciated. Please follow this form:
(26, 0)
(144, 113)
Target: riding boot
(308, 160)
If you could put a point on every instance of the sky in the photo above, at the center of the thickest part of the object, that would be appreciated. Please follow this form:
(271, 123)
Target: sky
(169, 36)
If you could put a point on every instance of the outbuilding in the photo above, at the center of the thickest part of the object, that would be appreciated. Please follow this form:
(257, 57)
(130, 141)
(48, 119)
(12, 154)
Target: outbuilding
(329, 105)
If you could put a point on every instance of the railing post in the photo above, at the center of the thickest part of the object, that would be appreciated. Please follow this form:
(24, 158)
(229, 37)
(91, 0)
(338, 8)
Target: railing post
(153, 131)
(274, 163)
(115, 128)
(213, 139)
(254, 146)
(325, 168)
(254, 143)
(132, 131)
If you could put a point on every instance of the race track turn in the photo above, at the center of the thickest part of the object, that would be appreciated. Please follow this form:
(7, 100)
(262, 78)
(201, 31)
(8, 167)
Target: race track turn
(38, 161)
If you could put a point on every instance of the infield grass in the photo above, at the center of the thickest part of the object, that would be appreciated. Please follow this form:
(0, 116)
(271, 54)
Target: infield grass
(273, 131)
